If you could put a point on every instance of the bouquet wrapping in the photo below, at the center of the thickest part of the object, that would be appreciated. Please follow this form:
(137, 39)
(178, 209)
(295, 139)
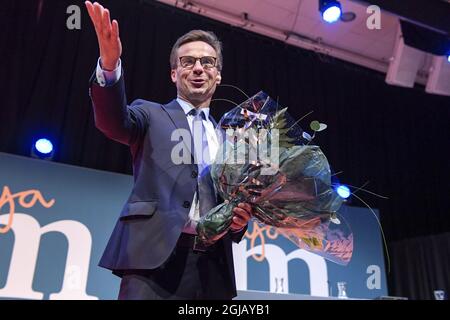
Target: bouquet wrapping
(269, 162)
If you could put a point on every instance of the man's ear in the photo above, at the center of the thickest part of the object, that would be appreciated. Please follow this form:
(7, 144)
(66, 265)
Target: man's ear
(218, 78)
(173, 75)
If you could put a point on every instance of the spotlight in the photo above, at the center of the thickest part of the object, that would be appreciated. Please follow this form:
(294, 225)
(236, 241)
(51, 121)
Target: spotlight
(343, 191)
(448, 58)
(330, 9)
(42, 149)
(44, 146)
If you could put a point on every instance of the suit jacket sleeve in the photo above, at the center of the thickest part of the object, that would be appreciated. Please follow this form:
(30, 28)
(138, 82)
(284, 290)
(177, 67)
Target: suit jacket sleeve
(237, 236)
(122, 123)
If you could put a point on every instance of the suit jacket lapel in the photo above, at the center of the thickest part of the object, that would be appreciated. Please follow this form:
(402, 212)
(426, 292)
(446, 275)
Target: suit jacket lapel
(220, 133)
(179, 120)
(212, 120)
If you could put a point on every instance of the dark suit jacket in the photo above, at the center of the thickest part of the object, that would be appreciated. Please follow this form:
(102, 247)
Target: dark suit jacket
(158, 206)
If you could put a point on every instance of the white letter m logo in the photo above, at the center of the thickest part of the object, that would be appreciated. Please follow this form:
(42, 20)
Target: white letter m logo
(27, 236)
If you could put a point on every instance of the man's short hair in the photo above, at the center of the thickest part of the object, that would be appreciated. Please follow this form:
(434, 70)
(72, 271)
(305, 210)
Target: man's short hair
(197, 35)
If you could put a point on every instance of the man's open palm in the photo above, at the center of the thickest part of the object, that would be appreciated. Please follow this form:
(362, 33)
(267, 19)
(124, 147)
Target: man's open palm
(107, 35)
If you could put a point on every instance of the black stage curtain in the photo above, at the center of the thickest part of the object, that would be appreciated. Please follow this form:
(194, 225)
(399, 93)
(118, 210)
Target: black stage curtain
(396, 138)
(421, 265)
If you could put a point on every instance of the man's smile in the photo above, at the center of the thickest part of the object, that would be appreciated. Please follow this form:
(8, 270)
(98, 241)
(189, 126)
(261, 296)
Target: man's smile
(198, 83)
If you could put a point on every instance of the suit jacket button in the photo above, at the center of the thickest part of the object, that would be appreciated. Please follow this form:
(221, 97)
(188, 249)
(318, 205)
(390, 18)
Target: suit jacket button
(186, 204)
(194, 174)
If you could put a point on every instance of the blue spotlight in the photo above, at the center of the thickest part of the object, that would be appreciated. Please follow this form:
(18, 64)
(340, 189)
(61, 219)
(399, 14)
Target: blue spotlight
(42, 149)
(330, 9)
(448, 58)
(343, 191)
(44, 146)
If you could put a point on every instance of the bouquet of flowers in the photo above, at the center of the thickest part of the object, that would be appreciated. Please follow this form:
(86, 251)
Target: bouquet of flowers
(268, 161)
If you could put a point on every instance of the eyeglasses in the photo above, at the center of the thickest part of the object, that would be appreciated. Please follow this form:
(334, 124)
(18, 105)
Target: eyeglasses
(189, 62)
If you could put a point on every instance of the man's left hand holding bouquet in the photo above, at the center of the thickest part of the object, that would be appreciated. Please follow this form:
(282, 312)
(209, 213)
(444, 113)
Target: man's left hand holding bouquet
(241, 215)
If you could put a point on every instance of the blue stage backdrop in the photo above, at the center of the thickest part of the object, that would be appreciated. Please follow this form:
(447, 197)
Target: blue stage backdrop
(55, 221)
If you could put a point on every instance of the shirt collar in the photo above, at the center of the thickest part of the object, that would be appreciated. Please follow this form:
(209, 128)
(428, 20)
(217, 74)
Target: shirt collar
(186, 106)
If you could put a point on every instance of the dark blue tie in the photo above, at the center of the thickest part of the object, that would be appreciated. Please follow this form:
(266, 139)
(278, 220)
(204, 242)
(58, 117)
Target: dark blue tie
(205, 190)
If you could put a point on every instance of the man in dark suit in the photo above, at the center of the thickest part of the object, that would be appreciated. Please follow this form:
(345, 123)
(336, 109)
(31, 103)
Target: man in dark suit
(154, 247)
